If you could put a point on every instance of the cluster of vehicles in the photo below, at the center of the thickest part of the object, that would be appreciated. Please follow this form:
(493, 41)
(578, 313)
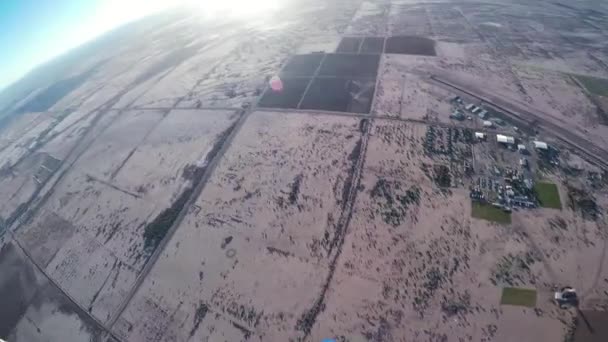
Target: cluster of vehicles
(514, 190)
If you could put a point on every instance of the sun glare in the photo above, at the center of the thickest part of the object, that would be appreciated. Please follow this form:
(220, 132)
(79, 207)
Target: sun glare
(236, 8)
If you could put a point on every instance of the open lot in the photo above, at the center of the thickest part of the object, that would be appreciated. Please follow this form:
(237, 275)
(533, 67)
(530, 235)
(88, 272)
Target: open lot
(236, 79)
(402, 92)
(97, 216)
(22, 135)
(281, 224)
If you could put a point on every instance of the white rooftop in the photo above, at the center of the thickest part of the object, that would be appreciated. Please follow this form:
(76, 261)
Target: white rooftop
(540, 145)
(505, 139)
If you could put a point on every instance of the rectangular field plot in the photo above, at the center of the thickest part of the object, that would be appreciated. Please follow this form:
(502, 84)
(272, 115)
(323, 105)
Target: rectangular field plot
(520, 297)
(21, 134)
(403, 93)
(372, 45)
(288, 97)
(105, 157)
(302, 65)
(189, 65)
(349, 45)
(345, 83)
(361, 45)
(19, 185)
(371, 18)
(345, 65)
(410, 46)
(90, 233)
(337, 94)
(169, 155)
(301, 162)
(214, 269)
(597, 86)
(405, 19)
(239, 73)
(486, 211)
(266, 217)
(548, 195)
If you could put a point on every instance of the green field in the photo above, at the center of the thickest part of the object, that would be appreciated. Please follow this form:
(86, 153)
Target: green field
(548, 195)
(597, 86)
(490, 213)
(521, 297)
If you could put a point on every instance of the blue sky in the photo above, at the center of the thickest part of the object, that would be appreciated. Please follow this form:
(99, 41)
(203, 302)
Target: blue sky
(34, 31)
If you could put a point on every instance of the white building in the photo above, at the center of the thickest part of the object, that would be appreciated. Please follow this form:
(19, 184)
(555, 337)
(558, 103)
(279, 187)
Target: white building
(480, 136)
(505, 139)
(488, 124)
(521, 148)
(540, 145)
(469, 106)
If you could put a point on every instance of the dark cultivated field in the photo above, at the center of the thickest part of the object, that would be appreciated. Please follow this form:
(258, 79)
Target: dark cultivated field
(349, 45)
(24, 291)
(55, 92)
(407, 45)
(302, 65)
(372, 45)
(49, 295)
(344, 65)
(338, 94)
(293, 90)
(591, 326)
(17, 287)
(345, 82)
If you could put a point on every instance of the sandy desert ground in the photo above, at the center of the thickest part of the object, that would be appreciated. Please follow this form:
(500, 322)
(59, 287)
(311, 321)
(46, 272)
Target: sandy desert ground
(161, 190)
